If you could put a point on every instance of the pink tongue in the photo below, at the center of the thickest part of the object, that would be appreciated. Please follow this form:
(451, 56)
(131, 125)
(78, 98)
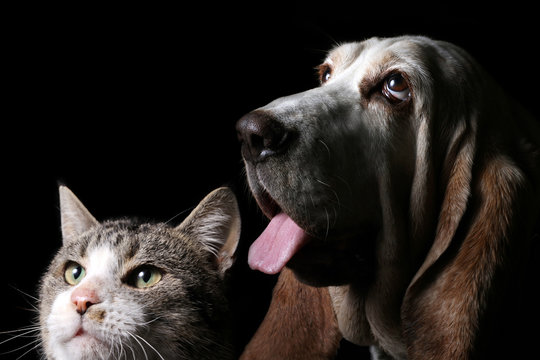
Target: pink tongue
(281, 239)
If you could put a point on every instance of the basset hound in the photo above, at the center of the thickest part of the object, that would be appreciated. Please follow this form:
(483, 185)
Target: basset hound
(406, 190)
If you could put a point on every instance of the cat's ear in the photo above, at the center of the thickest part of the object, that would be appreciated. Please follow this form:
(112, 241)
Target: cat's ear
(216, 223)
(75, 218)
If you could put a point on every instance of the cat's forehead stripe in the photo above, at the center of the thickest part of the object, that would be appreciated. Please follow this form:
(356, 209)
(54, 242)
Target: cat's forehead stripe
(115, 237)
(118, 239)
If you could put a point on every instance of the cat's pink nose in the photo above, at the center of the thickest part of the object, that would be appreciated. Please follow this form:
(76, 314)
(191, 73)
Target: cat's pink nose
(84, 297)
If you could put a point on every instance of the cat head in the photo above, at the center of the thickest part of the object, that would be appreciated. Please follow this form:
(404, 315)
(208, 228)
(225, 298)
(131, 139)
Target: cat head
(121, 289)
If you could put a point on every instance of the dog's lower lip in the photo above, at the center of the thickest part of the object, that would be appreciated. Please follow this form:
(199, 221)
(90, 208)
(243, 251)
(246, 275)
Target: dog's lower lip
(268, 205)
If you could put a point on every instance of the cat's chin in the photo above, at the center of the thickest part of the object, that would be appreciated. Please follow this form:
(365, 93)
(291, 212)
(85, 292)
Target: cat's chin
(83, 345)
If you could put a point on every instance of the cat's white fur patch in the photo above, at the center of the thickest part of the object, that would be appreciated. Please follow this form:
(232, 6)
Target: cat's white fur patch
(64, 322)
(101, 264)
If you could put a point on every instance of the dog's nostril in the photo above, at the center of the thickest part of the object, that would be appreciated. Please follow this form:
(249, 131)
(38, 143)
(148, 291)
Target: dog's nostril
(261, 135)
(257, 143)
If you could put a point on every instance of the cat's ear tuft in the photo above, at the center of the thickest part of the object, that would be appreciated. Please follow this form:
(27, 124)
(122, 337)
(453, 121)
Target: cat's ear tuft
(216, 223)
(75, 218)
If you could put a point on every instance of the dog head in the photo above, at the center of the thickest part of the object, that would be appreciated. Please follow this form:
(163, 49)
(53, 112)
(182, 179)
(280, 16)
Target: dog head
(333, 159)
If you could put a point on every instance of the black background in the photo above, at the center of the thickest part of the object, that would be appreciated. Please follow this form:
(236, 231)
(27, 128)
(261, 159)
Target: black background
(134, 106)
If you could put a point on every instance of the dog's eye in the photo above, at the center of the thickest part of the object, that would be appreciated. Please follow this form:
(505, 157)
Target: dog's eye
(396, 88)
(325, 73)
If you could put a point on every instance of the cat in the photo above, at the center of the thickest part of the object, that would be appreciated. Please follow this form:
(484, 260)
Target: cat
(127, 290)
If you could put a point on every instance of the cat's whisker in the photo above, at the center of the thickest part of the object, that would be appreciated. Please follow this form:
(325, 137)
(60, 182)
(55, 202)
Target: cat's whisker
(122, 350)
(26, 328)
(125, 341)
(151, 321)
(25, 293)
(25, 297)
(142, 323)
(36, 341)
(138, 342)
(132, 351)
(23, 334)
(153, 348)
(31, 331)
(115, 351)
(179, 214)
(111, 350)
(37, 345)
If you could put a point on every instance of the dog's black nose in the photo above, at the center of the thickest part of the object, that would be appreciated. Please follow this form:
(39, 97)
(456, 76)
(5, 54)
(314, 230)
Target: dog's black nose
(262, 136)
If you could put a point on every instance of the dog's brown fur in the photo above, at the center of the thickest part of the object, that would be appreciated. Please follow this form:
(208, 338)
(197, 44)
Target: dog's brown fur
(299, 325)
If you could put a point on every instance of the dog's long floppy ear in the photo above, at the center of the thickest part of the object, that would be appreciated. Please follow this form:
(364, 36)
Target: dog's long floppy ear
(300, 324)
(482, 223)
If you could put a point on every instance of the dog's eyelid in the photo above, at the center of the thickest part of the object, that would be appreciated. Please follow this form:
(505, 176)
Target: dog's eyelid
(325, 72)
(396, 87)
(376, 87)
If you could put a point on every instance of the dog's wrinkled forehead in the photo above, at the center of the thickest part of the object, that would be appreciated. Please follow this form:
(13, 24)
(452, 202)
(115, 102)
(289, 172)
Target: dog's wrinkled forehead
(374, 56)
(344, 55)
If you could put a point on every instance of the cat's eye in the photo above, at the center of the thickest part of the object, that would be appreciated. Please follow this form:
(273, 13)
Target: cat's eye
(74, 273)
(144, 276)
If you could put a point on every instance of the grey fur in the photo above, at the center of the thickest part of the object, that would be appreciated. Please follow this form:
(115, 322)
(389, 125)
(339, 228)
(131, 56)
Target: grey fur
(184, 316)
